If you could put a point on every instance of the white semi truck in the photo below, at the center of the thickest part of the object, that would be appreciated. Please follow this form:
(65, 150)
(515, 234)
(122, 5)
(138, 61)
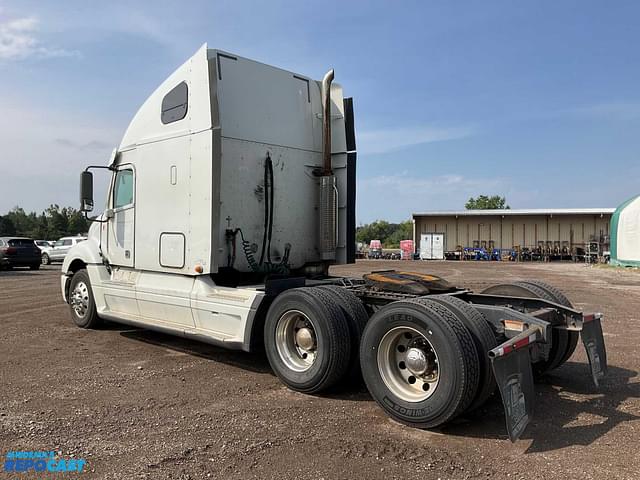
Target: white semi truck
(231, 194)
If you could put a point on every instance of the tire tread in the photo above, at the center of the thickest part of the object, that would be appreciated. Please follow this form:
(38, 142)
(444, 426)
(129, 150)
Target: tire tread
(469, 353)
(485, 340)
(338, 339)
(93, 321)
(560, 337)
(562, 299)
(357, 317)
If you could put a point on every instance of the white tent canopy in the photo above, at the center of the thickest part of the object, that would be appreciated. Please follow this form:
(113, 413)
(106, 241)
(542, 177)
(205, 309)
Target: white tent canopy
(625, 234)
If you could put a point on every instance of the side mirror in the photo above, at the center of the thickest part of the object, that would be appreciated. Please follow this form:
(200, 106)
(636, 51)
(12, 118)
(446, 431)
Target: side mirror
(86, 192)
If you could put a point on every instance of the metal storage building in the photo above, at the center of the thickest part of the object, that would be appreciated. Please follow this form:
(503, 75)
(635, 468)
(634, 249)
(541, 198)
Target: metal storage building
(569, 229)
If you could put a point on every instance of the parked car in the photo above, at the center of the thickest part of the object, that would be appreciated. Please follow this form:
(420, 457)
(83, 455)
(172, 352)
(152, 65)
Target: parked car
(20, 252)
(44, 244)
(60, 249)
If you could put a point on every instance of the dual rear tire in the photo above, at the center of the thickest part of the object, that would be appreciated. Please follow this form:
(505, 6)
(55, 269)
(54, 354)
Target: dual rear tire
(423, 360)
(563, 342)
(312, 335)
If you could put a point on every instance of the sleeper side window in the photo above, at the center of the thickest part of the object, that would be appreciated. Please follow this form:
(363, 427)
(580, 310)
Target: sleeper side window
(123, 189)
(174, 104)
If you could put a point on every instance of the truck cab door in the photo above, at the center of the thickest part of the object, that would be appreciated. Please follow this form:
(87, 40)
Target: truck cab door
(120, 227)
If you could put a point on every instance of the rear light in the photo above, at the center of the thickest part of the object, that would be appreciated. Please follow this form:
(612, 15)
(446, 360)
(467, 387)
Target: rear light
(9, 250)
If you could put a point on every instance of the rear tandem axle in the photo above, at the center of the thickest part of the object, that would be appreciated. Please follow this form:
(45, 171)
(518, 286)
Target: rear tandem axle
(534, 329)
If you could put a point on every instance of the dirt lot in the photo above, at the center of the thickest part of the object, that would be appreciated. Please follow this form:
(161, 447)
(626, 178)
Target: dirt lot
(137, 404)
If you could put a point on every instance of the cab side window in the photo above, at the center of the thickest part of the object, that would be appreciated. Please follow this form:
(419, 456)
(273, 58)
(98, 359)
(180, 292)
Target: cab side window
(123, 189)
(66, 243)
(174, 104)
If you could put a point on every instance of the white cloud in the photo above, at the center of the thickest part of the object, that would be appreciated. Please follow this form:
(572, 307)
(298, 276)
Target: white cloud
(18, 40)
(44, 151)
(403, 182)
(390, 139)
(610, 110)
(397, 196)
(92, 145)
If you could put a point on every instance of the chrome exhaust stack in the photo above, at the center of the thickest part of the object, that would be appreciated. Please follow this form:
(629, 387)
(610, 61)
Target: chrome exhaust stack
(326, 122)
(328, 204)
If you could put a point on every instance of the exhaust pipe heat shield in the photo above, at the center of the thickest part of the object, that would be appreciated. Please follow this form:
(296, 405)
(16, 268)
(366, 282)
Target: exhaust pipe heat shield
(328, 217)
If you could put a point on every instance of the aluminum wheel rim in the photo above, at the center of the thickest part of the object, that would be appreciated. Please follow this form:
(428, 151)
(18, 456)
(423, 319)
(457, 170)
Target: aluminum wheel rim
(394, 364)
(44, 258)
(80, 299)
(295, 356)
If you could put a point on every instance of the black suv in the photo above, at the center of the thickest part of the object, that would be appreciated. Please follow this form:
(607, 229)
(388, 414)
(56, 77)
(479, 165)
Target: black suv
(19, 252)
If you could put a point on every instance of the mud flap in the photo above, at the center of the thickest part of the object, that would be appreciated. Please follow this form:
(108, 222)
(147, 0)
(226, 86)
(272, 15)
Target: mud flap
(515, 381)
(593, 341)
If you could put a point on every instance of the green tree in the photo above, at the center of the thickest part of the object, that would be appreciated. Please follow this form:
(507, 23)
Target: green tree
(22, 222)
(51, 224)
(484, 202)
(389, 234)
(78, 224)
(58, 221)
(40, 228)
(6, 226)
(404, 231)
(378, 230)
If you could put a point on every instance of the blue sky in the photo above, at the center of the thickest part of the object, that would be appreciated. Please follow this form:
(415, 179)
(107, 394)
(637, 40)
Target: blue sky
(538, 101)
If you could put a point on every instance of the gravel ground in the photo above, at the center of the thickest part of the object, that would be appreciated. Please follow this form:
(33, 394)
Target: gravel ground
(138, 404)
